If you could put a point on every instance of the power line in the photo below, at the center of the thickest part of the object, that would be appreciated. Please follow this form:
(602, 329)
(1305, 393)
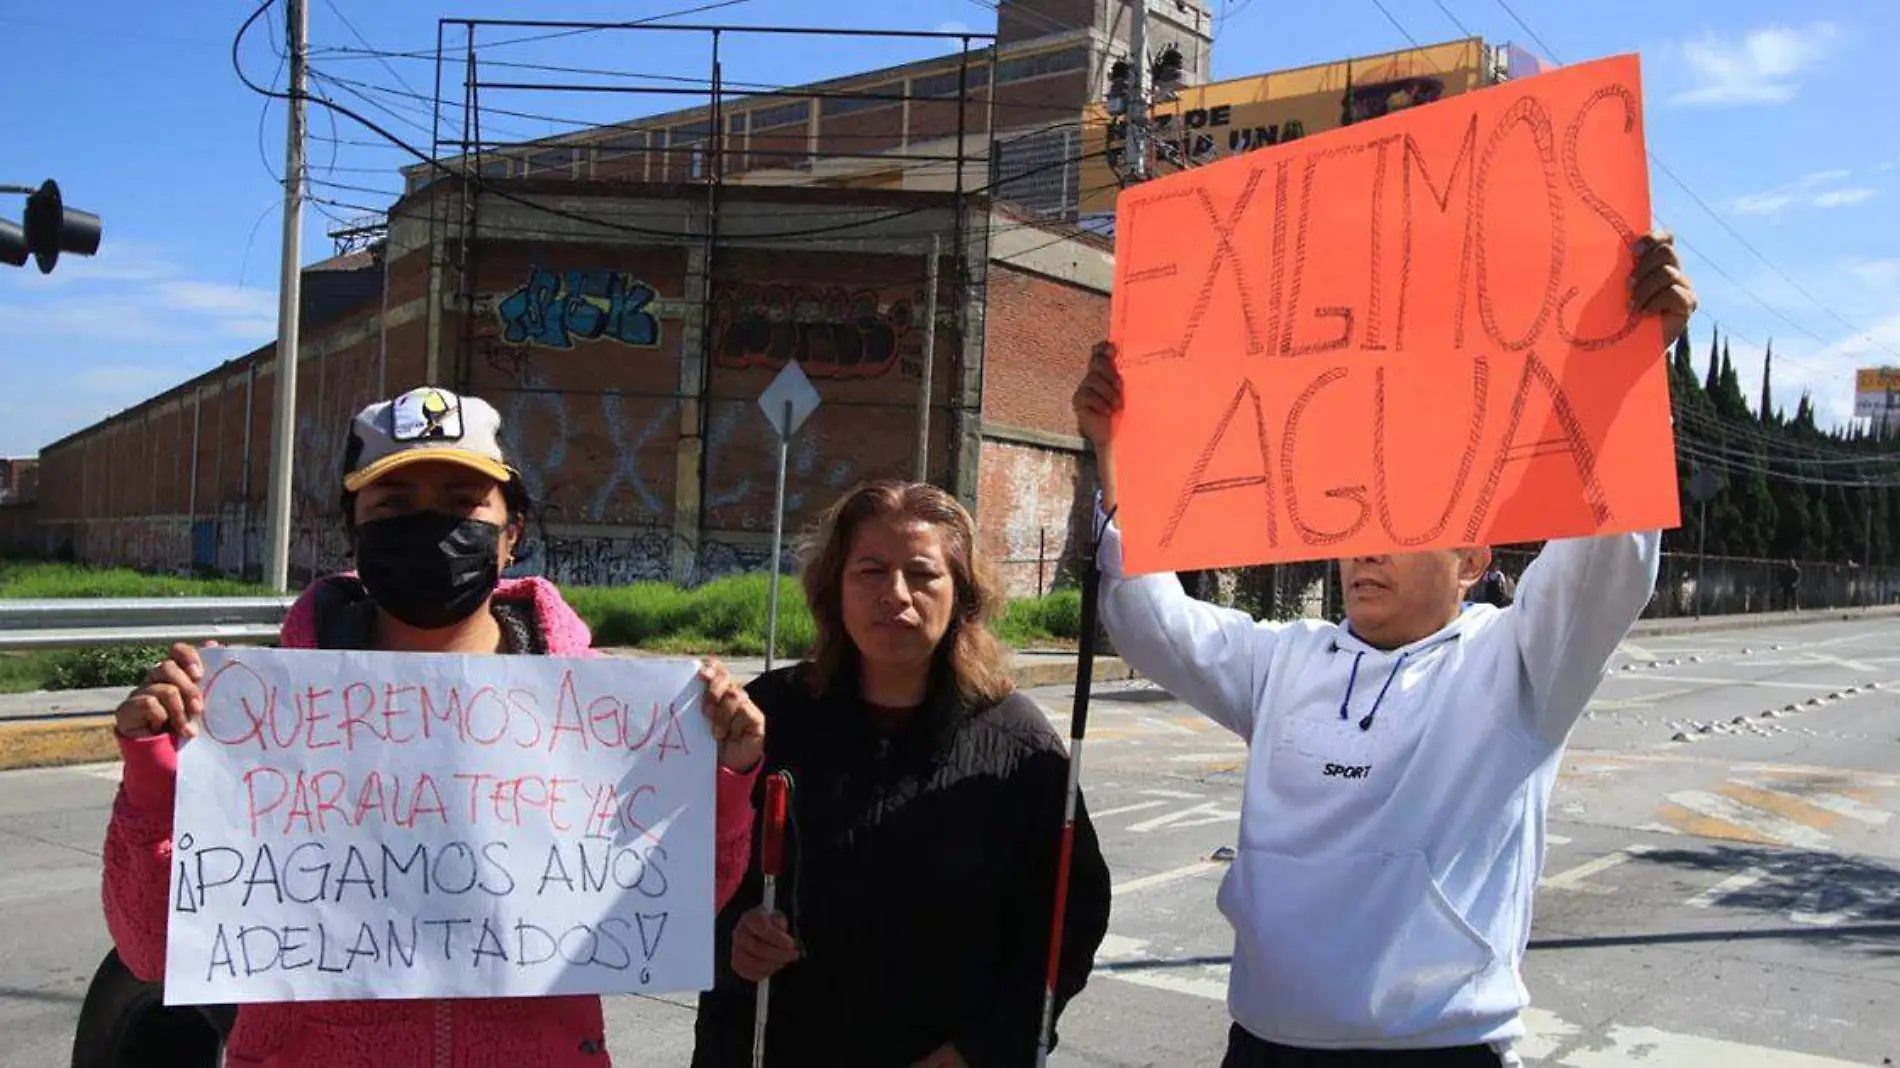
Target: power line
(476, 179)
(1535, 39)
(1725, 225)
(1380, 4)
(358, 34)
(1454, 18)
(430, 52)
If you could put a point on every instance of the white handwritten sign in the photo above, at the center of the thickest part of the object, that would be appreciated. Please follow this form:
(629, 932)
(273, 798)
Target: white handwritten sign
(381, 825)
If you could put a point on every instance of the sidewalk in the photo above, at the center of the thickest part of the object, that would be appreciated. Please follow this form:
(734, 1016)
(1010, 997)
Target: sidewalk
(75, 726)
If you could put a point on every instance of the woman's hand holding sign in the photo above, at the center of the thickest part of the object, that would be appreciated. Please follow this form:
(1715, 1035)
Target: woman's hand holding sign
(737, 725)
(170, 702)
(1658, 285)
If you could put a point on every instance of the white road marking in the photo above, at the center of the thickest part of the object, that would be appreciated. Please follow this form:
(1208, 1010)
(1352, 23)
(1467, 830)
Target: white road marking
(1573, 879)
(1734, 884)
(1211, 812)
(1835, 803)
(1556, 839)
(1620, 1047)
(1202, 758)
(1163, 878)
(1177, 794)
(1768, 826)
(1546, 1032)
(1136, 807)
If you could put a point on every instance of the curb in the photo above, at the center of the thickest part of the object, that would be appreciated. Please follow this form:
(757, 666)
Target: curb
(64, 740)
(1031, 675)
(57, 742)
(1654, 628)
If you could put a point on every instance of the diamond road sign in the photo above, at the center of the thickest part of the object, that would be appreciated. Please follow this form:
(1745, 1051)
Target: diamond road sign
(791, 386)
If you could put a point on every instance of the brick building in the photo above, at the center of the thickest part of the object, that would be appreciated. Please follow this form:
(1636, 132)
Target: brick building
(628, 374)
(898, 127)
(19, 479)
(623, 294)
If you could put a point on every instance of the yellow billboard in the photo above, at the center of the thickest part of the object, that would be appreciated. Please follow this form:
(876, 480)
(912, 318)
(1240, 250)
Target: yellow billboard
(1209, 122)
(1877, 391)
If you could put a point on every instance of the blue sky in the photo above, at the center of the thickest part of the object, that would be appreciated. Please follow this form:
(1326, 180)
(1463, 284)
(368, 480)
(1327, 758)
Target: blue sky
(1771, 113)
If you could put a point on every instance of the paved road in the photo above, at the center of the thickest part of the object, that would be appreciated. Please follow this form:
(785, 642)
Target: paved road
(1730, 900)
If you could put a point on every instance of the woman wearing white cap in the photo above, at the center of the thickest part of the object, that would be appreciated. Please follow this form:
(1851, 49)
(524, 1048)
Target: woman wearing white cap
(434, 513)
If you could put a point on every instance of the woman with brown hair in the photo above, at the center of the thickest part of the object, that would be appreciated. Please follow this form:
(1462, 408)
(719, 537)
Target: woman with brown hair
(922, 851)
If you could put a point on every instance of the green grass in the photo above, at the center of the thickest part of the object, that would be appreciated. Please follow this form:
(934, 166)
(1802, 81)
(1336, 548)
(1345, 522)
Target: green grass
(726, 617)
(21, 580)
(1054, 618)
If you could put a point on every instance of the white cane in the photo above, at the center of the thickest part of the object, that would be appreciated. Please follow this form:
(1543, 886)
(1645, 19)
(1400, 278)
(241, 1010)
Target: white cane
(771, 862)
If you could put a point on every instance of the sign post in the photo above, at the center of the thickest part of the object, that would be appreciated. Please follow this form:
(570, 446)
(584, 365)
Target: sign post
(787, 403)
(1703, 486)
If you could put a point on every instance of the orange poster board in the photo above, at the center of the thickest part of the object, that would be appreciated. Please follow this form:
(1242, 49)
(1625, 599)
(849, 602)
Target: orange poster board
(1410, 333)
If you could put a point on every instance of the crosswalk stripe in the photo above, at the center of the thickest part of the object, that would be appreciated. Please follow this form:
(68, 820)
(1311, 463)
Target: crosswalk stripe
(1547, 1035)
(1842, 805)
(1753, 824)
(1619, 1047)
(1573, 879)
(1125, 809)
(1734, 884)
(1796, 808)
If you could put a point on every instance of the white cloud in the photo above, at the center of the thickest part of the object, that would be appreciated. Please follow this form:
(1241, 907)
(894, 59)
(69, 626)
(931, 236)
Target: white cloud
(1861, 290)
(953, 26)
(1818, 189)
(117, 261)
(1762, 67)
(1876, 275)
(216, 298)
(1841, 198)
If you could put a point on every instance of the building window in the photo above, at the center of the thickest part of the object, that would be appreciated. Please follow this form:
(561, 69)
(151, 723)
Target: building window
(555, 159)
(783, 115)
(1044, 63)
(621, 142)
(945, 85)
(833, 106)
(697, 131)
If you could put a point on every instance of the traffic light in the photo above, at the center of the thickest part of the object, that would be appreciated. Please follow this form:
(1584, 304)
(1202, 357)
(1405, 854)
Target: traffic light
(1118, 87)
(1167, 73)
(51, 228)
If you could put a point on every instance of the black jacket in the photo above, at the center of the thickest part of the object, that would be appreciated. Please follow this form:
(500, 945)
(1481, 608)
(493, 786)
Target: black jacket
(920, 878)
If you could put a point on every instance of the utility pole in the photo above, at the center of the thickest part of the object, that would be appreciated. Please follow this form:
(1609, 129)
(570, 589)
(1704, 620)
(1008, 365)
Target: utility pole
(290, 302)
(1138, 92)
(922, 459)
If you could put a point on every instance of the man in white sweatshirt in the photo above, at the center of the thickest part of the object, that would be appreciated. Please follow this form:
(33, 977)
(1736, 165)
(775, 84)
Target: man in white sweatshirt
(1401, 766)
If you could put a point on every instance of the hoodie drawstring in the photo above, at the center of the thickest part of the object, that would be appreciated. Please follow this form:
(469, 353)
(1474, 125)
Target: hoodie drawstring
(1352, 680)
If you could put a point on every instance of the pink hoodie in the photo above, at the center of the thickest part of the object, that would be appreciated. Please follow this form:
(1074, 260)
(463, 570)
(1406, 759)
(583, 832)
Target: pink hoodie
(559, 1032)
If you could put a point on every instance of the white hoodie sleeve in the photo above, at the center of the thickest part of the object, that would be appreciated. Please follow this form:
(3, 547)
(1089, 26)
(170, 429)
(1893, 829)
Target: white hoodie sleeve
(1575, 605)
(1213, 658)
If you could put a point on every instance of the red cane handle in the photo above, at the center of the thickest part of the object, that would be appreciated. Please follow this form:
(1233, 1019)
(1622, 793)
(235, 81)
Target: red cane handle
(772, 846)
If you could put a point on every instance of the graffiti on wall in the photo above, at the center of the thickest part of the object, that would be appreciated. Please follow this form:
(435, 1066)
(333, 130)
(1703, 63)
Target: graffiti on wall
(556, 308)
(834, 333)
(548, 418)
(645, 556)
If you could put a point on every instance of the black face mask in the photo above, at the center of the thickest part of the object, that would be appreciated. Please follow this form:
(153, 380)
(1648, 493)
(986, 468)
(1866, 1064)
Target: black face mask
(428, 569)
